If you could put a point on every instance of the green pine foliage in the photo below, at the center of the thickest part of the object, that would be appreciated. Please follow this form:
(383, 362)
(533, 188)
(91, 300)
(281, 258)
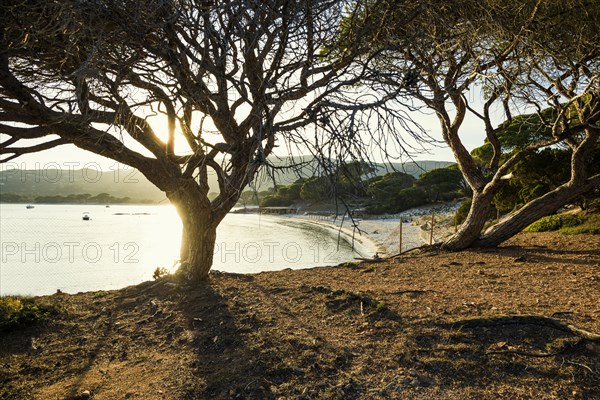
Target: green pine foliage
(541, 171)
(396, 191)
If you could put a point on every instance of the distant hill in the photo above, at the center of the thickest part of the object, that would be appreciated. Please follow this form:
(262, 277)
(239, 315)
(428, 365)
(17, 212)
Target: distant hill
(57, 182)
(131, 183)
(306, 167)
(417, 168)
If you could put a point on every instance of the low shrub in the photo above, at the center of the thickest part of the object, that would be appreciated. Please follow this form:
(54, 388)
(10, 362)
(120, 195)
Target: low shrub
(562, 222)
(17, 312)
(590, 225)
(549, 223)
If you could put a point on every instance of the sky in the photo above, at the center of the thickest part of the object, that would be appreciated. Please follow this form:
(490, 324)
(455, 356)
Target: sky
(69, 157)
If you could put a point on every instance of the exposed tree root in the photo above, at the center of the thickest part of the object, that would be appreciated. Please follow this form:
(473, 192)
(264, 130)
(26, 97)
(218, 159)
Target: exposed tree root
(413, 291)
(426, 248)
(582, 366)
(530, 320)
(527, 353)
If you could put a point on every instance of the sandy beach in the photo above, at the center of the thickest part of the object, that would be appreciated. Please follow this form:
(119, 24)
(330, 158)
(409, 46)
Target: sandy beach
(382, 234)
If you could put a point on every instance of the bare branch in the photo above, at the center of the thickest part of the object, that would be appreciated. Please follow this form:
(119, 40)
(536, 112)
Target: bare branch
(19, 151)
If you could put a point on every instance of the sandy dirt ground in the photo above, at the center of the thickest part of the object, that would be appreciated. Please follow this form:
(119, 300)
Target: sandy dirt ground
(516, 322)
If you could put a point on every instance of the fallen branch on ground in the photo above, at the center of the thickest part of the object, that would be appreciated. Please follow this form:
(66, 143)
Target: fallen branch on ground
(529, 320)
(527, 353)
(424, 249)
(413, 291)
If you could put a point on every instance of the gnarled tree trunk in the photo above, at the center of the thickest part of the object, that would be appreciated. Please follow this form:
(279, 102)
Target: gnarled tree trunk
(198, 240)
(470, 231)
(471, 228)
(199, 232)
(534, 210)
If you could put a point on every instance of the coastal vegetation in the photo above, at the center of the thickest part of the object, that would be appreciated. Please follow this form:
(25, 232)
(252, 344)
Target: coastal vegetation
(392, 192)
(567, 224)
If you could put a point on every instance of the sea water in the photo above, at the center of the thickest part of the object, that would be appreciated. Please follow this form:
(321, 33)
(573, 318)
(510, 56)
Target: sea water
(51, 247)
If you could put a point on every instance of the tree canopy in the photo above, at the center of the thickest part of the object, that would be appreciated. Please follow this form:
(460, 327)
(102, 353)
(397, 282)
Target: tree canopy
(230, 79)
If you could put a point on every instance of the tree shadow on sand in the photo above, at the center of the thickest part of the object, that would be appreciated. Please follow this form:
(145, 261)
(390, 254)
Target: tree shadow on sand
(507, 351)
(222, 365)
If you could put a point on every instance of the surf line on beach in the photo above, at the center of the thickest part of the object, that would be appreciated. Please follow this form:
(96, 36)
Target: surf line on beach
(362, 245)
(370, 238)
(380, 235)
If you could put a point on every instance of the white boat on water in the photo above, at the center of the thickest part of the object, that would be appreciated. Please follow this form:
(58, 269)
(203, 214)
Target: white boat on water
(86, 216)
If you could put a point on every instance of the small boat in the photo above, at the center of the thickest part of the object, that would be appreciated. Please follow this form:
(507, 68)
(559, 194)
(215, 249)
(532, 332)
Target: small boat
(86, 216)
(29, 206)
(107, 206)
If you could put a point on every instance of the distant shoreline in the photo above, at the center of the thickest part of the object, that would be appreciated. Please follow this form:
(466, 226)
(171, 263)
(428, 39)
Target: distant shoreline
(373, 246)
(380, 235)
(84, 204)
